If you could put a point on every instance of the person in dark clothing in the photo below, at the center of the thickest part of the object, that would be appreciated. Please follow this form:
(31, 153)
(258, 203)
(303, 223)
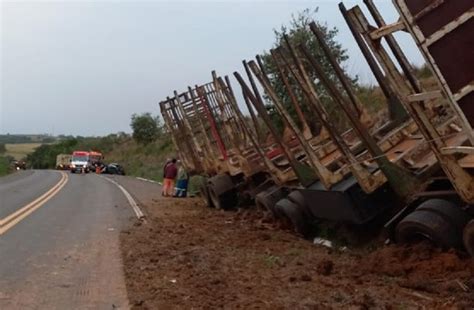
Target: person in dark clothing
(170, 172)
(168, 161)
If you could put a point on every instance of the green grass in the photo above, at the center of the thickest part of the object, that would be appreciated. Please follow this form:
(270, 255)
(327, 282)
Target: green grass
(4, 166)
(372, 98)
(20, 150)
(137, 160)
(142, 161)
(271, 261)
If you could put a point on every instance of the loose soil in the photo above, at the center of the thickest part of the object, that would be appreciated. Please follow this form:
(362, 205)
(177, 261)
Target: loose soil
(185, 255)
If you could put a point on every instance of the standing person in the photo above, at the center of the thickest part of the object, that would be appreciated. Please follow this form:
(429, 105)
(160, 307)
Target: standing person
(170, 172)
(182, 181)
(168, 160)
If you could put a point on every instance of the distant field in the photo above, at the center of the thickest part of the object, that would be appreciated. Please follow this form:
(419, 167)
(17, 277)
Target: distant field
(20, 150)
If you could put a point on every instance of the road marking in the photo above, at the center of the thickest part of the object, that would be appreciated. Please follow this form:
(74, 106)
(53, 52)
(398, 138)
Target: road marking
(17, 216)
(147, 180)
(129, 197)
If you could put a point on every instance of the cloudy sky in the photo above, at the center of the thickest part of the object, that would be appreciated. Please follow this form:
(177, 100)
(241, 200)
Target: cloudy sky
(83, 67)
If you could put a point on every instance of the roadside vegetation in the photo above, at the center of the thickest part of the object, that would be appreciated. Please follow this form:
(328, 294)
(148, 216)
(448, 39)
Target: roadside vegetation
(5, 160)
(142, 154)
(297, 32)
(4, 165)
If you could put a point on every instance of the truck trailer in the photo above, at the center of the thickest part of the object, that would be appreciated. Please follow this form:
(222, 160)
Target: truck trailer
(63, 161)
(414, 169)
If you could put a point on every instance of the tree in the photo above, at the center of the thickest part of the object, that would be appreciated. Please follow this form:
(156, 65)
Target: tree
(44, 156)
(298, 33)
(146, 128)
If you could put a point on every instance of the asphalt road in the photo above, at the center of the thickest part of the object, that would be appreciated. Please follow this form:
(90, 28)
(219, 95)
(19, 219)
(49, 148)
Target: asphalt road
(61, 251)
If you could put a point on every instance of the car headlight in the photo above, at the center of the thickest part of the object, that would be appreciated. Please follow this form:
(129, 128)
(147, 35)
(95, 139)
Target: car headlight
(73, 166)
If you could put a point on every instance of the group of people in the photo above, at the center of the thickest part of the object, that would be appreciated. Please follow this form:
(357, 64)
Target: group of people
(175, 179)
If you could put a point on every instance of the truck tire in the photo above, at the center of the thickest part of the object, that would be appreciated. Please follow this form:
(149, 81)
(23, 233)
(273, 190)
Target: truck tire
(428, 225)
(205, 193)
(266, 200)
(449, 211)
(290, 210)
(296, 197)
(222, 192)
(468, 237)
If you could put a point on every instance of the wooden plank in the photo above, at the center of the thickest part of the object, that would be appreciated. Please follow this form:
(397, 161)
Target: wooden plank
(425, 96)
(386, 30)
(457, 150)
(449, 27)
(464, 91)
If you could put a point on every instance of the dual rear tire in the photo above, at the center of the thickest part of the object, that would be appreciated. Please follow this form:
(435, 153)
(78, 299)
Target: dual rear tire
(437, 220)
(219, 192)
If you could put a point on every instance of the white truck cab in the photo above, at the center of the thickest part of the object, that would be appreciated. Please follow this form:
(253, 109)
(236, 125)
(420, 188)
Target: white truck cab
(80, 162)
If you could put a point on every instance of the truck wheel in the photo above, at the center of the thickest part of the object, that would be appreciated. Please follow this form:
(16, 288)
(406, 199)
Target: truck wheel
(222, 192)
(297, 198)
(205, 193)
(449, 211)
(267, 199)
(468, 237)
(290, 210)
(427, 225)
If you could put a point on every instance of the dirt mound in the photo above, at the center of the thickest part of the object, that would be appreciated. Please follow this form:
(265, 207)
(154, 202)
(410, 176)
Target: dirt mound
(422, 267)
(188, 256)
(421, 260)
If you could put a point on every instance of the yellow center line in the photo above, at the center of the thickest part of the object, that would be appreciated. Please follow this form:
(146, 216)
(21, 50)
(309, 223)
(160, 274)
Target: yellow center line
(16, 217)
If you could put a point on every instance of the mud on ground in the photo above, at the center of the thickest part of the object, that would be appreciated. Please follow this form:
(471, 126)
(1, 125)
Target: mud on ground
(188, 256)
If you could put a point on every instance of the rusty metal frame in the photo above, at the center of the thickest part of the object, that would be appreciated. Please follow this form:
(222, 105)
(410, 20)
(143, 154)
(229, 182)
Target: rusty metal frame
(421, 41)
(326, 177)
(289, 155)
(306, 85)
(461, 180)
(402, 181)
(396, 109)
(293, 99)
(273, 171)
(394, 46)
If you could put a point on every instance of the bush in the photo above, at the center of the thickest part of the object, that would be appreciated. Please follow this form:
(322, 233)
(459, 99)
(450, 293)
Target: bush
(145, 128)
(4, 165)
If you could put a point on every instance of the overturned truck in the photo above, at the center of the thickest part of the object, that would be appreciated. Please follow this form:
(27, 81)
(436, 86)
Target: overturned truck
(411, 167)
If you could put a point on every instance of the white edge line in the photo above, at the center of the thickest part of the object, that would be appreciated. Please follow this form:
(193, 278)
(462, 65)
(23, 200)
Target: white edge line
(129, 197)
(148, 180)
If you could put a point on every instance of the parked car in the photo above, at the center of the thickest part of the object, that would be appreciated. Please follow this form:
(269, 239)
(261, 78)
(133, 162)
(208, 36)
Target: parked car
(19, 165)
(114, 168)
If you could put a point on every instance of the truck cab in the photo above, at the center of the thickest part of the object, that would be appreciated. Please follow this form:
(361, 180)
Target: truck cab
(80, 162)
(96, 159)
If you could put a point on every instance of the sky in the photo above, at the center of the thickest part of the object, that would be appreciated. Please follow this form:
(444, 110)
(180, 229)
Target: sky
(84, 67)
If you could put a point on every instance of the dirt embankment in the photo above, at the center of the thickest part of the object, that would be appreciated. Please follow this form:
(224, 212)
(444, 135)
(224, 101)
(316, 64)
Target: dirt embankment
(188, 256)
